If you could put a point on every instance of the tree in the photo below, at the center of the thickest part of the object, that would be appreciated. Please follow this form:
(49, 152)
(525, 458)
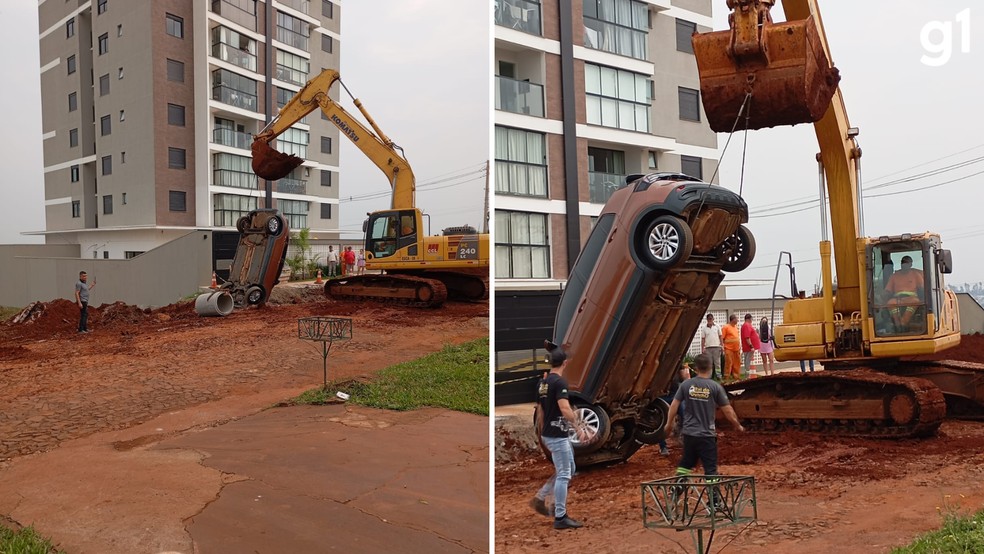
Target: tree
(302, 262)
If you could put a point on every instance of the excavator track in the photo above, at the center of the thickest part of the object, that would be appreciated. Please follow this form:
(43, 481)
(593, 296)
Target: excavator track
(858, 402)
(962, 384)
(461, 285)
(407, 290)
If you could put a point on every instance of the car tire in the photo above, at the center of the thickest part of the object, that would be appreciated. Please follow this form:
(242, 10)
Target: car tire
(242, 224)
(275, 225)
(598, 421)
(740, 250)
(651, 428)
(666, 243)
(255, 295)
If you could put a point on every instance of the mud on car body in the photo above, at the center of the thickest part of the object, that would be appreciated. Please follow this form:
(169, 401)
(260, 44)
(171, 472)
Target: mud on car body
(260, 256)
(636, 295)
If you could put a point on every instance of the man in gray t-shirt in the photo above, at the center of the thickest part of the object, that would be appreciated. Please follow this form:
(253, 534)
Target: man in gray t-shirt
(703, 396)
(82, 288)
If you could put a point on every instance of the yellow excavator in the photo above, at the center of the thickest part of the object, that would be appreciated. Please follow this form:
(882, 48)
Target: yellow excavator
(890, 301)
(403, 264)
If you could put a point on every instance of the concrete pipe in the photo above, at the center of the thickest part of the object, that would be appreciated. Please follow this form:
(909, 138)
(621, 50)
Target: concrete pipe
(214, 303)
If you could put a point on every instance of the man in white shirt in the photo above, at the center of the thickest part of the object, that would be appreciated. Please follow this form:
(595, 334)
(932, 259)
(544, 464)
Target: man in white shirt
(332, 262)
(710, 344)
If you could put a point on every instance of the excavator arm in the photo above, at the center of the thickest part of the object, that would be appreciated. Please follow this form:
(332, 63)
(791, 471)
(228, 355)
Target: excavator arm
(272, 165)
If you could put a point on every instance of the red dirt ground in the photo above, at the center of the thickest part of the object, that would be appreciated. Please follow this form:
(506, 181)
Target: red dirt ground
(815, 494)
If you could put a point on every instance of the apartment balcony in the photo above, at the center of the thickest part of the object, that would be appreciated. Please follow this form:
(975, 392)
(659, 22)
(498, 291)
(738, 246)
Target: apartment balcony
(234, 55)
(292, 186)
(521, 15)
(234, 97)
(292, 38)
(233, 178)
(303, 6)
(242, 12)
(617, 39)
(518, 96)
(230, 137)
(520, 179)
(293, 76)
(602, 185)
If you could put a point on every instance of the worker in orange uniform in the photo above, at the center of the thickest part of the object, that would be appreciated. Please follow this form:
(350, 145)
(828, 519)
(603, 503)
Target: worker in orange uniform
(905, 286)
(731, 339)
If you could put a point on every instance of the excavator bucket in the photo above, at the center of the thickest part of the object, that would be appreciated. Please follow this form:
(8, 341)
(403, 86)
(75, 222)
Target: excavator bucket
(271, 164)
(791, 81)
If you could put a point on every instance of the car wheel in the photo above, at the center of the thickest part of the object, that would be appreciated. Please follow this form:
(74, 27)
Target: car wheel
(598, 423)
(242, 224)
(666, 243)
(275, 225)
(255, 295)
(651, 427)
(740, 249)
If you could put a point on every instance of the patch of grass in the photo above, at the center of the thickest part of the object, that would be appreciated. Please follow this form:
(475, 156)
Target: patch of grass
(959, 535)
(456, 378)
(25, 541)
(7, 312)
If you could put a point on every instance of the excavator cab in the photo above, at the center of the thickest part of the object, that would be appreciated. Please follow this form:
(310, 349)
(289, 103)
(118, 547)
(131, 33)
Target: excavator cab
(391, 231)
(762, 74)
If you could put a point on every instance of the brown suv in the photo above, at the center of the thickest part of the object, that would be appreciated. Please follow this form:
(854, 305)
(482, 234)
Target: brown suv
(635, 297)
(260, 256)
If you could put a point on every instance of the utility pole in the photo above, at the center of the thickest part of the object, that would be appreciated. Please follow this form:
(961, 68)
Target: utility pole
(485, 225)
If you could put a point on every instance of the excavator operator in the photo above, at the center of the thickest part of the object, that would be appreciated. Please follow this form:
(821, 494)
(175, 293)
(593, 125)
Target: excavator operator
(906, 288)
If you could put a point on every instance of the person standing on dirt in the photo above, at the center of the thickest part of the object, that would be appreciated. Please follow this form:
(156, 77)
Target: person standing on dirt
(703, 397)
(710, 343)
(82, 288)
(332, 262)
(749, 343)
(349, 261)
(731, 339)
(360, 262)
(554, 419)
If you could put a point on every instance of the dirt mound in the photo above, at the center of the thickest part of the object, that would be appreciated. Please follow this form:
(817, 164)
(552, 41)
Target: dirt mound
(970, 349)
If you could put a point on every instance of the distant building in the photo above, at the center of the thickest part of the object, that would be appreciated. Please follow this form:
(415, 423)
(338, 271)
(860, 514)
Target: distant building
(149, 110)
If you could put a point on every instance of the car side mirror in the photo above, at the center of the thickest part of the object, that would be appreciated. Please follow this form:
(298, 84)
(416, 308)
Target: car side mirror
(365, 225)
(944, 260)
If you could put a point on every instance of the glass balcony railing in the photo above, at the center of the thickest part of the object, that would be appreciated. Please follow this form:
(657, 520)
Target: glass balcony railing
(292, 186)
(233, 55)
(289, 75)
(303, 6)
(233, 178)
(291, 38)
(242, 12)
(609, 37)
(602, 185)
(521, 15)
(234, 97)
(518, 96)
(230, 137)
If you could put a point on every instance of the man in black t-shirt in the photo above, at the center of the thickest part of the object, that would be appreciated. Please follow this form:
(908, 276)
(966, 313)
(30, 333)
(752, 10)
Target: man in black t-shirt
(555, 418)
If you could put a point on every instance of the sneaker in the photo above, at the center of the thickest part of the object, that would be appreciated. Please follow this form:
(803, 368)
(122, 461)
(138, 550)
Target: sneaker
(567, 523)
(540, 506)
(664, 451)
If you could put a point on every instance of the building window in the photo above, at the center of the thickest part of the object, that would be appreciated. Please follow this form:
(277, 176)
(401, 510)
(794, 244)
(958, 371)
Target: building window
(123, 199)
(176, 158)
(119, 30)
(684, 29)
(108, 204)
(122, 157)
(691, 165)
(176, 200)
(327, 43)
(103, 43)
(233, 47)
(689, 104)
(70, 28)
(326, 145)
(522, 248)
(294, 141)
(129, 254)
(174, 25)
(292, 68)
(234, 89)
(107, 165)
(175, 71)
(292, 31)
(327, 9)
(617, 98)
(105, 125)
(618, 26)
(230, 170)
(520, 162)
(228, 208)
(120, 75)
(101, 6)
(73, 101)
(76, 208)
(74, 172)
(104, 85)
(106, 252)
(606, 173)
(326, 211)
(71, 65)
(325, 178)
(122, 116)
(295, 211)
(176, 115)
(653, 160)
(73, 138)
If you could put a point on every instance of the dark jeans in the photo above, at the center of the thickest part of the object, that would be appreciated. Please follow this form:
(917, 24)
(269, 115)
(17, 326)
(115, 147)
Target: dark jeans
(84, 317)
(703, 448)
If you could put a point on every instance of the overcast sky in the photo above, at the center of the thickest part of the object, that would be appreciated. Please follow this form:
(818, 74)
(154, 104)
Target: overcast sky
(913, 118)
(420, 68)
